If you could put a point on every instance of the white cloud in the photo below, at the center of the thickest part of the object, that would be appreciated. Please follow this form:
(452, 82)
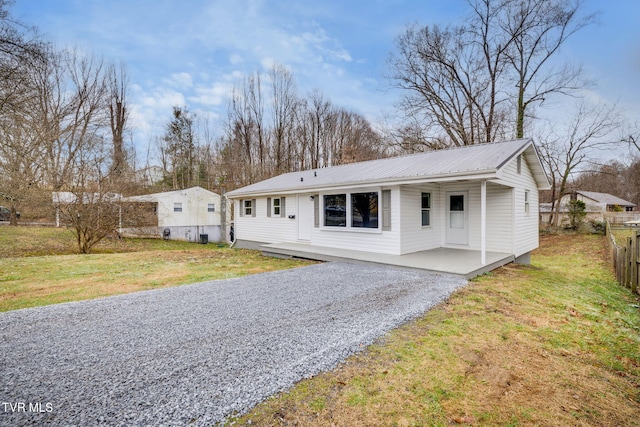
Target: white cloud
(180, 80)
(235, 59)
(215, 94)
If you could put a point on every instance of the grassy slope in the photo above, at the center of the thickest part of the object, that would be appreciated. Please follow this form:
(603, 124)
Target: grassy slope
(555, 343)
(29, 277)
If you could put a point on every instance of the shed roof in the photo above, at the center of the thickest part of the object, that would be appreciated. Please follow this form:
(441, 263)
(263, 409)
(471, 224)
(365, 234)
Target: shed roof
(476, 161)
(154, 197)
(606, 198)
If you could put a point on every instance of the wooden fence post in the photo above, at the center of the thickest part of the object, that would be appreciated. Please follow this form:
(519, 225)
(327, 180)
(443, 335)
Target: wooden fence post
(635, 262)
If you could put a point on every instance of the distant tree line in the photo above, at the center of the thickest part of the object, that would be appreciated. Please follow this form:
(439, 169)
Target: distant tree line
(269, 129)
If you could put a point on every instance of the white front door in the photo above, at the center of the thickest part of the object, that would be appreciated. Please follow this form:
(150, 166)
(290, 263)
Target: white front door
(457, 218)
(305, 216)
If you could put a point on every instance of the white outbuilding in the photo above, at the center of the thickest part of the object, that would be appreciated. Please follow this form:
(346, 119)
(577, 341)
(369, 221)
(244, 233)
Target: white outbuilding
(193, 214)
(464, 210)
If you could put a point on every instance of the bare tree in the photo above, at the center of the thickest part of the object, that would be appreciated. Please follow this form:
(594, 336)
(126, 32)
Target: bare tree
(459, 80)
(21, 50)
(118, 115)
(70, 110)
(442, 72)
(536, 29)
(632, 137)
(91, 207)
(289, 133)
(284, 103)
(565, 151)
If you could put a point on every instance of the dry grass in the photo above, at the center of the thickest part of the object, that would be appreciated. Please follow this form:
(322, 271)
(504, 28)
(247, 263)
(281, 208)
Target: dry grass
(28, 279)
(552, 344)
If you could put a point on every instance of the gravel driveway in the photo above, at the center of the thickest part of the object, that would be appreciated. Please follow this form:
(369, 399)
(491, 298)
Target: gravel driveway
(193, 355)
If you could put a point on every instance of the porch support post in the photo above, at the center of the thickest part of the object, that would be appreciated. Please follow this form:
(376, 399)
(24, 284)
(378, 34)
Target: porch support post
(483, 222)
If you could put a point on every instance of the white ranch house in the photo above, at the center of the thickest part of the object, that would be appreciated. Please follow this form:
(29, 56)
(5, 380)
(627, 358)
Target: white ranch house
(186, 215)
(463, 211)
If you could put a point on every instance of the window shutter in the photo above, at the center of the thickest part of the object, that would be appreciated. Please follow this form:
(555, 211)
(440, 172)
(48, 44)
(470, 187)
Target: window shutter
(386, 210)
(268, 206)
(253, 207)
(316, 210)
(282, 207)
(241, 207)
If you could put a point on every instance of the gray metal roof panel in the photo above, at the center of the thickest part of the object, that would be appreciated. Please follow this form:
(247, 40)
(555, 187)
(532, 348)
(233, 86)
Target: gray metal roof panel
(607, 198)
(460, 160)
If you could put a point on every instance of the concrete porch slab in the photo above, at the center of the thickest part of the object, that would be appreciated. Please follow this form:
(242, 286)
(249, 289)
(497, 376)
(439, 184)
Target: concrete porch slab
(458, 262)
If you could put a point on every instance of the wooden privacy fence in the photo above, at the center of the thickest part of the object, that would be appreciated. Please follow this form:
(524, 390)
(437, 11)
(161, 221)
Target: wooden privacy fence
(625, 257)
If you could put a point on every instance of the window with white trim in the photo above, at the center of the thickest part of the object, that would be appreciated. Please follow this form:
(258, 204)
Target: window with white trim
(275, 206)
(335, 210)
(425, 208)
(248, 207)
(526, 202)
(364, 210)
(357, 210)
(211, 207)
(177, 207)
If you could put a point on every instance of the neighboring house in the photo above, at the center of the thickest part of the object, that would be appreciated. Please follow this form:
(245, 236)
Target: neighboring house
(187, 214)
(599, 202)
(481, 198)
(598, 207)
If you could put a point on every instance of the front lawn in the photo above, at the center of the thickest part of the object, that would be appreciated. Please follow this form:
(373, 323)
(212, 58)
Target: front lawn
(556, 343)
(38, 266)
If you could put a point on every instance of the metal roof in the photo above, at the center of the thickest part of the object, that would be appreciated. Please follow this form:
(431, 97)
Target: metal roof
(469, 161)
(155, 197)
(605, 198)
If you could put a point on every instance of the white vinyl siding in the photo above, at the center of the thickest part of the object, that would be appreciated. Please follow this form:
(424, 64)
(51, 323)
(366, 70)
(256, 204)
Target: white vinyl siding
(415, 237)
(499, 218)
(193, 209)
(509, 229)
(525, 226)
(384, 241)
(263, 228)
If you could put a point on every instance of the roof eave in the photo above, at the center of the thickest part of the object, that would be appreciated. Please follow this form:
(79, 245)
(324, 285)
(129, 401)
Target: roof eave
(458, 176)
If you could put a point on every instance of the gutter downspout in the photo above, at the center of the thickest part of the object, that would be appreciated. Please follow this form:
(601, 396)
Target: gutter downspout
(483, 222)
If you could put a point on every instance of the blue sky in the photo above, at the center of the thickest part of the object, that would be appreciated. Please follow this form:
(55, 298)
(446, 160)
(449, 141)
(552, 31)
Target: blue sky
(191, 52)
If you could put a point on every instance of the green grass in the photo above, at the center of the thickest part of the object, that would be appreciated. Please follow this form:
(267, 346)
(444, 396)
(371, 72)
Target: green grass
(554, 343)
(621, 234)
(37, 241)
(30, 277)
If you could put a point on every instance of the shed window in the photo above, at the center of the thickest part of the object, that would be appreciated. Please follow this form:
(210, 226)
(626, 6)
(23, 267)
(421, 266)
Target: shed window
(177, 207)
(426, 209)
(335, 210)
(211, 207)
(364, 210)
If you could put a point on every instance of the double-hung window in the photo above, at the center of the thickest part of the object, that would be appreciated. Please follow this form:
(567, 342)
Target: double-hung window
(275, 205)
(426, 209)
(526, 202)
(177, 207)
(211, 207)
(248, 207)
